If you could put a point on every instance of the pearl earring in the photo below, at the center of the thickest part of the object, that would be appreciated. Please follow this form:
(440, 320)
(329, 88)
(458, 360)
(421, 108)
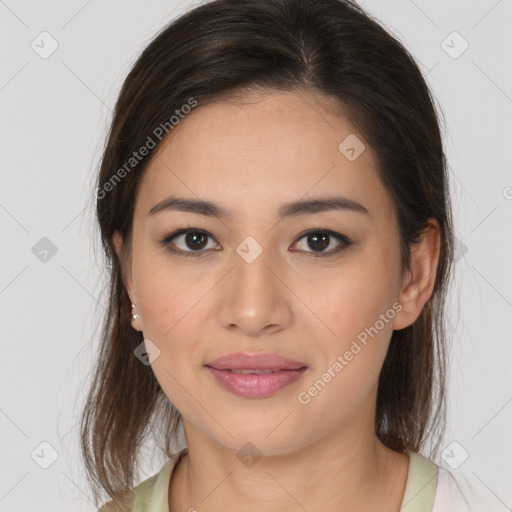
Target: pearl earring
(136, 315)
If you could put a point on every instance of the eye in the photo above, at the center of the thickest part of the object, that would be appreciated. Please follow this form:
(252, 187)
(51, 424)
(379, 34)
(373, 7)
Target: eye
(193, 242)
(319, 240)
(188, 241)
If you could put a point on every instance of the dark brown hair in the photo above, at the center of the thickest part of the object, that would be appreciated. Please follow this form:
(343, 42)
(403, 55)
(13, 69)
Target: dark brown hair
(222, 49)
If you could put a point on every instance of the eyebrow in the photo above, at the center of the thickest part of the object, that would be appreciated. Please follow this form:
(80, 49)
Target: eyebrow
(294, 208)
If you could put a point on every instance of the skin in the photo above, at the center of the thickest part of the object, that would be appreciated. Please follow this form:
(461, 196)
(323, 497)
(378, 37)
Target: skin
(250, 158)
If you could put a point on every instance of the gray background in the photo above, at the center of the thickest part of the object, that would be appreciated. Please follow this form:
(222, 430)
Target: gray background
(55, 113)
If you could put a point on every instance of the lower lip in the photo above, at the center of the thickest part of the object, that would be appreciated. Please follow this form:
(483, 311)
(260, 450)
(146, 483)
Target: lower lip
(253, 385)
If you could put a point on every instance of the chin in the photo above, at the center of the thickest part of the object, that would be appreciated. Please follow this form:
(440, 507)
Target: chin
(258, 443)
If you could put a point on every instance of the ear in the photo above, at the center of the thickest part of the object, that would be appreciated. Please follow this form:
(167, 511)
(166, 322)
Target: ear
(419, 282)
(118, 241)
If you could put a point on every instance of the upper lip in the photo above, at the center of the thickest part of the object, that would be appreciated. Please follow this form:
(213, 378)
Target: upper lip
(244, 361)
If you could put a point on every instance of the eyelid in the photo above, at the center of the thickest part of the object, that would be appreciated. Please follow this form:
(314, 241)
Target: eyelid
(183, 231)
(343, 239)
(345, 242)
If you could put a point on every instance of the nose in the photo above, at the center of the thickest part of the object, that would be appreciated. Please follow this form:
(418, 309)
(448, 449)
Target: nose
(254, 298)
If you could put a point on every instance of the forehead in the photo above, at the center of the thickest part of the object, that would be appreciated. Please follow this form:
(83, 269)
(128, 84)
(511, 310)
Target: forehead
(267, 149)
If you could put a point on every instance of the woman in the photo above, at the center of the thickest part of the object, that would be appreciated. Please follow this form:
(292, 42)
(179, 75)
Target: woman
(274, 210)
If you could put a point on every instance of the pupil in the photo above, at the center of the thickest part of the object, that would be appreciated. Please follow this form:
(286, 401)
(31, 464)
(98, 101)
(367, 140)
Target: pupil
(320, 241)
(191, 240)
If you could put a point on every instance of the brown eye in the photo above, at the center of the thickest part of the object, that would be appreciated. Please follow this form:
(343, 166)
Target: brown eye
(319, 241)
(188, 241)
(195, 240)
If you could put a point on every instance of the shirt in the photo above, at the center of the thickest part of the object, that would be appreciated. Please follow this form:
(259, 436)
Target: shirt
(429, 488)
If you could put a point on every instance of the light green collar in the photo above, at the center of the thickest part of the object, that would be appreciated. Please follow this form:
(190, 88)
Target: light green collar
(152, 495)
(420, 489)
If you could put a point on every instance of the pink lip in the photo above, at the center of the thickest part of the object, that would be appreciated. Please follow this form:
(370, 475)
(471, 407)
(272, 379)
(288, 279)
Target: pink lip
(286, 371)
(252, 385)
(241, 361)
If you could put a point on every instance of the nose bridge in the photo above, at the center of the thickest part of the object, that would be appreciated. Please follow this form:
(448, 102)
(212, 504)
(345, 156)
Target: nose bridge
(252, 268)
(256, 298)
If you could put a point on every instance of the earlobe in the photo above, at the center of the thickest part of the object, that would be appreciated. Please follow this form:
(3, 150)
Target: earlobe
(419, 283)
(117, 240)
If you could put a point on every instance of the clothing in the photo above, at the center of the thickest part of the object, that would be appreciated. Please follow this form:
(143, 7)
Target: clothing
(429, 488)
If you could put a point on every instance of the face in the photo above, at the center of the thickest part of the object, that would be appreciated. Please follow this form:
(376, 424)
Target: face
(317, 285)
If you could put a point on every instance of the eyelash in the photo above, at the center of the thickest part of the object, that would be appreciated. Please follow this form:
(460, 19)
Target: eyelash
(346, 242)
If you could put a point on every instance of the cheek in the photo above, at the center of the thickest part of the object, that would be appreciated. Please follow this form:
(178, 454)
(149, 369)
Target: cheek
(357, 312)
(170, 313)
(361, 319)
(167, 294)
(170, 305)
(356, 297)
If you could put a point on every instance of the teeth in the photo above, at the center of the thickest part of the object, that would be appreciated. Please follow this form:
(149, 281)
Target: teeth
(258, 372)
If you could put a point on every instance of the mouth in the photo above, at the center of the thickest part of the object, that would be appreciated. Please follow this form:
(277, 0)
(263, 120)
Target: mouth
(255, 375)
(242, 362)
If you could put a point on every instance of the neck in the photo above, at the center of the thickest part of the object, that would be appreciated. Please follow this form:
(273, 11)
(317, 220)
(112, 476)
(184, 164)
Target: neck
(350, 472)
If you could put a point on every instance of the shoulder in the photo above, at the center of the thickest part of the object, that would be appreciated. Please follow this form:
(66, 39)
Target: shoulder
(150, 494)
(433, 488)
(140, 495)
(137, 499)
(460, 493)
